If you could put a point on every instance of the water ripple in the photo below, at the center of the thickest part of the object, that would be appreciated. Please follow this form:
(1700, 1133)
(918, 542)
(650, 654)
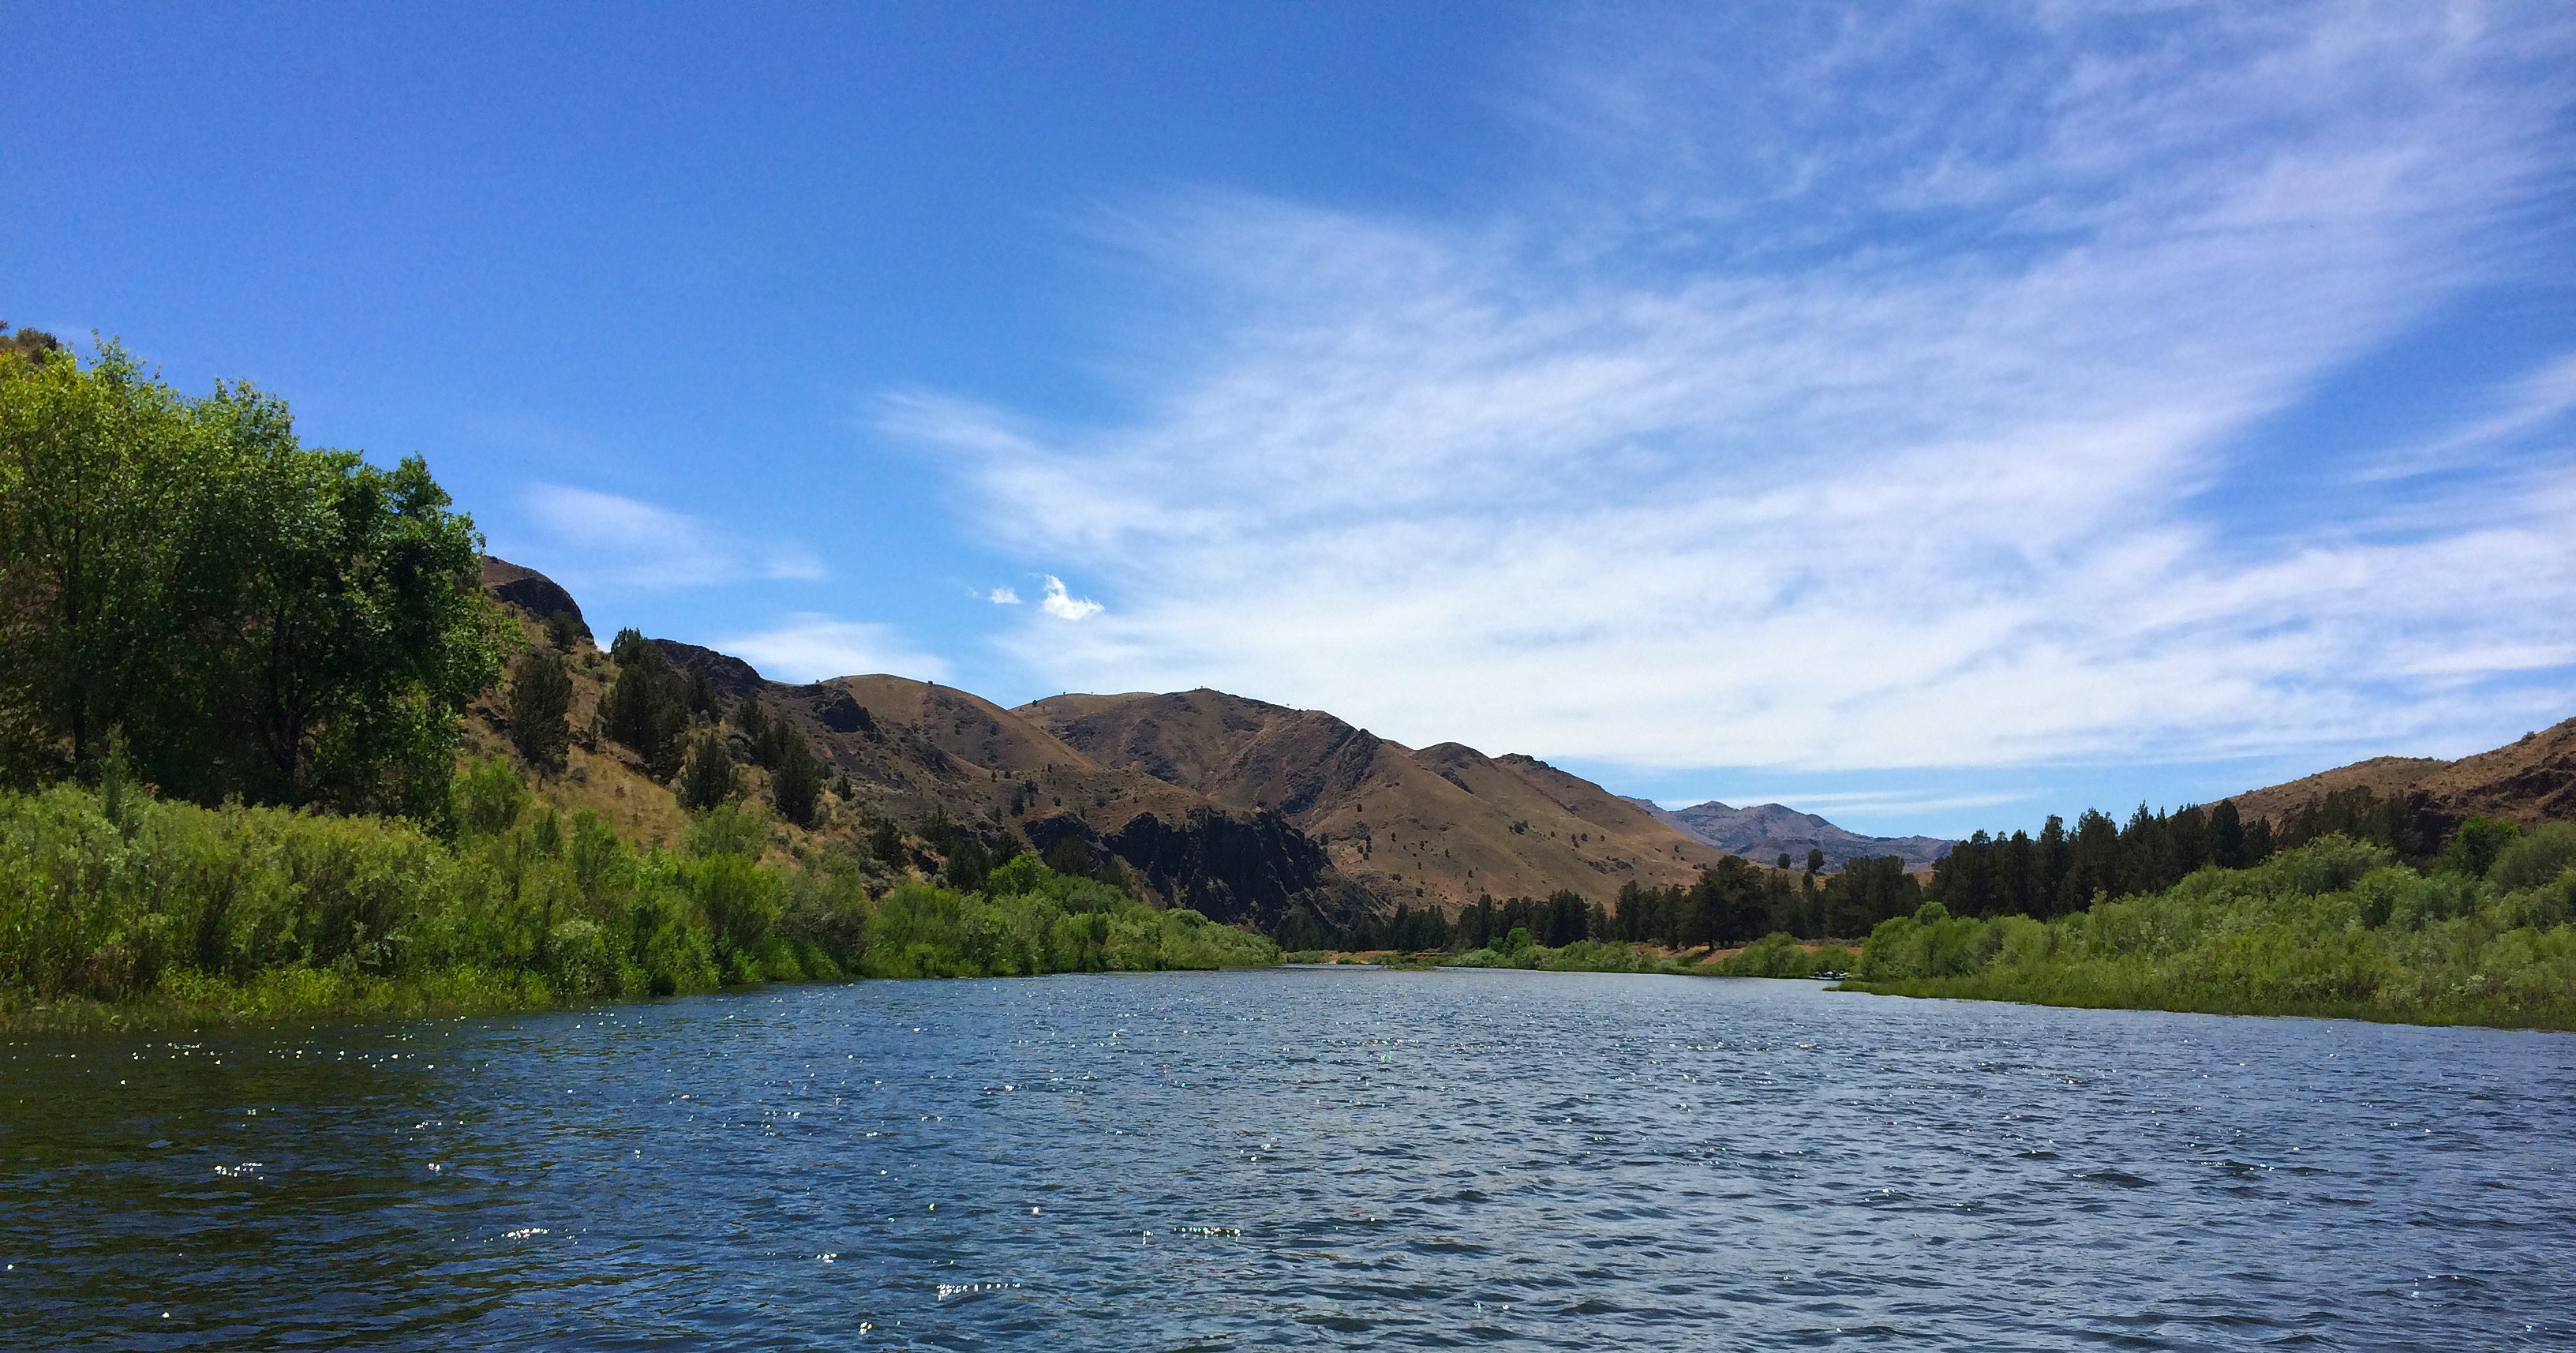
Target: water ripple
(1301, 1158)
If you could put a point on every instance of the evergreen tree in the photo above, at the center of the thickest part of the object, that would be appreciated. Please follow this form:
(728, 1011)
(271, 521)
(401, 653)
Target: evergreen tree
(707, 779)
(2188, 832)
(969, 865)
(1071, 857)
(646, 705)
(2258, 841)
(2093, 862)
(885, 841)
(2226, 836)
(539, 709)
(795, 778)
(2050, 863)
(754, 727)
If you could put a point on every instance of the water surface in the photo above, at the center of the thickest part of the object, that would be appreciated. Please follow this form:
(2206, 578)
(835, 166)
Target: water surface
(1294, 1159)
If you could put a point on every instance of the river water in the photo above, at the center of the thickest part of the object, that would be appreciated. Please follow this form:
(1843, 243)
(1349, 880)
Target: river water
(1294, 1158)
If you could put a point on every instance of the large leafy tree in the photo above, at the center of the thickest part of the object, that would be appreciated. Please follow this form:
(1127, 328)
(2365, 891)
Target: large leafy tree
(263, 619)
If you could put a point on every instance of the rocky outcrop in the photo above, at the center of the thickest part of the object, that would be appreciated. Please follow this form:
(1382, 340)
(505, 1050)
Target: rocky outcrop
(530, 591)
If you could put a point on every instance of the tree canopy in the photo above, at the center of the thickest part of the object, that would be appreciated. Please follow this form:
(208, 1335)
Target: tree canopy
(262, 619)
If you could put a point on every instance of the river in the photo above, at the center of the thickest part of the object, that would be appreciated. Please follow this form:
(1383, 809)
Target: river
(1293, 1158)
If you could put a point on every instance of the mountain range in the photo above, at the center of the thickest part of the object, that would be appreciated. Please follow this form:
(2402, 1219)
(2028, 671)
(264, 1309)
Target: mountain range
(1246, 810)
(1768, 831)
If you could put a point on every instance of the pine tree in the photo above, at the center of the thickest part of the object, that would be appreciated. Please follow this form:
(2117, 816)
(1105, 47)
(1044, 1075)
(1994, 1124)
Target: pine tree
(2226, 836)
(1070, 856)
(540, 703)
(645, 707)
(707, 780)
(796, 780)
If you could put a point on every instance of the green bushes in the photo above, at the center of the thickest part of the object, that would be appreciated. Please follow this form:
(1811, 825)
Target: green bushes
(1779, 955)
(2330, 928)
(168, 912)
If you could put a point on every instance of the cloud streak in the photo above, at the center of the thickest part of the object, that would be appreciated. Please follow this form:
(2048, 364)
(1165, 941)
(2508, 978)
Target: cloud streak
(813, 647)
(626, 542)
(1838, 396)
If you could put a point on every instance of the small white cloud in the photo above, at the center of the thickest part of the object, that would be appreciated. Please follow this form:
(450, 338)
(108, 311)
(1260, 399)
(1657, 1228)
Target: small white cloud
(1063, 606)
(812, 647)
(1004, 596)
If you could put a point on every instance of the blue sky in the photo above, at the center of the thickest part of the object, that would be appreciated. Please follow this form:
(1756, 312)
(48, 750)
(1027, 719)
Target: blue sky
(1932, 416)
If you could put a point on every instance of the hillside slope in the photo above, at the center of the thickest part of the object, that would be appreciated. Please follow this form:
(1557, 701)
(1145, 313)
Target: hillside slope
(1442, 825)
(914, 752)
(2530, 780)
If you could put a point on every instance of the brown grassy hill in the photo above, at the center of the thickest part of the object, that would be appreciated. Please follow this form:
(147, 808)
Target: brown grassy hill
(2530, 780)
(1443, 824)
(913, 751)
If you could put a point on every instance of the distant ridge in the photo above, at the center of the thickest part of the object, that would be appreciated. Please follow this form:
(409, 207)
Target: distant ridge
(1764, 833)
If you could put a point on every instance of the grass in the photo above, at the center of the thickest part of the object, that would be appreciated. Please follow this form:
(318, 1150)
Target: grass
(118, 910)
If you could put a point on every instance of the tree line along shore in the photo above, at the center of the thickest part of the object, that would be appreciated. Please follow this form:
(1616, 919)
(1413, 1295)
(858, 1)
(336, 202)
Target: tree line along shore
(233, 785)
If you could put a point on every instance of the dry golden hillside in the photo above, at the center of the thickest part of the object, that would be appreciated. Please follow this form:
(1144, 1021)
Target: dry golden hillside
(1443, 824)
(911, 752)
(2530, 780)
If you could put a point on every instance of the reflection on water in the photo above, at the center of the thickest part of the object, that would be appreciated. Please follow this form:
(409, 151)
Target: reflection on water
(1304, 1158)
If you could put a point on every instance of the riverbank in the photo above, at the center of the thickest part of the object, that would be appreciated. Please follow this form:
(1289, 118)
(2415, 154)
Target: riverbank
(121, 911)
(2332, 929)
(1775, 955)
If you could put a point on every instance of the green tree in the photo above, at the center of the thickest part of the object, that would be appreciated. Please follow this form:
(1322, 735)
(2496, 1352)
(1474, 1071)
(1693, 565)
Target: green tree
(885, 842)
(1070, 857)
(2481, 839)
(540, 708)
(646, 705)
(707, 778)
(795, 777)
(969, 863)
(2226, 836)
(282, 623)
(754, 726)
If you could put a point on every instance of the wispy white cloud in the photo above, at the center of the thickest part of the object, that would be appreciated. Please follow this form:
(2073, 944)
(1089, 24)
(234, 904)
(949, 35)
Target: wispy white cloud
(1063, 605)
(622, 541)
(1837, 397)
(1003, 596)
(812, 647)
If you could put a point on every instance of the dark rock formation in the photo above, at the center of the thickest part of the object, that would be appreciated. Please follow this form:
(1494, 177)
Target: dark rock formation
(530, 591)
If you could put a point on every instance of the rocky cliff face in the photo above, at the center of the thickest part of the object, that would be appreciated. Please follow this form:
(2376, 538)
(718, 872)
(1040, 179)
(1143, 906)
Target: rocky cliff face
(530, 593)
